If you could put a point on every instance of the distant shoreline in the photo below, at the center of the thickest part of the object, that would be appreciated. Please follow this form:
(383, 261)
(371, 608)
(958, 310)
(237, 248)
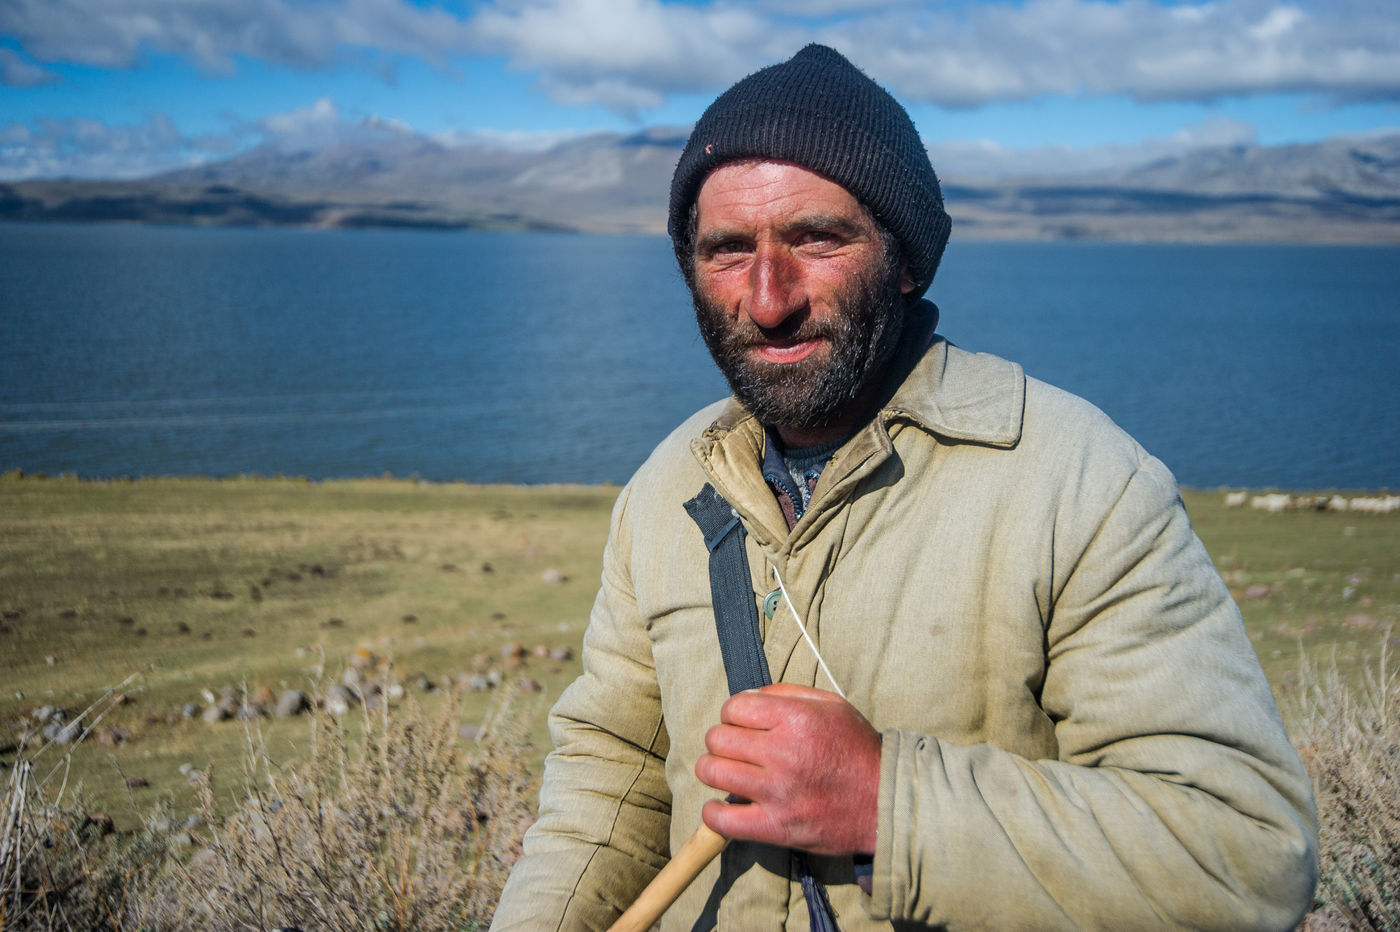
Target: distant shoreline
(21, 475)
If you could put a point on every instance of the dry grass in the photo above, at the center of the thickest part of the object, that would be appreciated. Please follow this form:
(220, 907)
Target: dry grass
(405, 826)
(1349, 737)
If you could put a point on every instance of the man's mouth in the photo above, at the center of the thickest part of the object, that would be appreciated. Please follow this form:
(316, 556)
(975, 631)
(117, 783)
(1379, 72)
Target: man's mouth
(780, 352)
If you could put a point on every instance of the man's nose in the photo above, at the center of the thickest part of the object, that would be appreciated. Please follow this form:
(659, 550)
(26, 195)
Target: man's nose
(775, 287)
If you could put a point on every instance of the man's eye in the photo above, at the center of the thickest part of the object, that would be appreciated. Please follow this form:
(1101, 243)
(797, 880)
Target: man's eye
(817, 238)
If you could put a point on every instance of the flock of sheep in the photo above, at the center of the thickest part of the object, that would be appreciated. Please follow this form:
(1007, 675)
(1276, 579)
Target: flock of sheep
(1279, 501)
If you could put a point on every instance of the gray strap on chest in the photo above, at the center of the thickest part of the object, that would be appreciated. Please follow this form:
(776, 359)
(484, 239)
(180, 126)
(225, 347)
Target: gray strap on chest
(731, 591)
(741, 642)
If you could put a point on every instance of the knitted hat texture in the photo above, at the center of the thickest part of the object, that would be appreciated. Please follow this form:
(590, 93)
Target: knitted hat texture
(821, 112)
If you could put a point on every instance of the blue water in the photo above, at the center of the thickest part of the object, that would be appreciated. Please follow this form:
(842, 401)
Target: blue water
(561, 358)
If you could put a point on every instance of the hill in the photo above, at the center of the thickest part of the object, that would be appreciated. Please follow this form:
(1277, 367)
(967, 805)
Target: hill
(1334, 191)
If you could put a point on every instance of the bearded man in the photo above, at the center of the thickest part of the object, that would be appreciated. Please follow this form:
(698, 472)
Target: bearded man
(1010, 690)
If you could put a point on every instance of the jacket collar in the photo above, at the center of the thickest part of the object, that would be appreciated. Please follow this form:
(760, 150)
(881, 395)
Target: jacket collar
(932, 384)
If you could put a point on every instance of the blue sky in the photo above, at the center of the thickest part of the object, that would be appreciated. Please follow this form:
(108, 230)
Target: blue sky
(98, 88)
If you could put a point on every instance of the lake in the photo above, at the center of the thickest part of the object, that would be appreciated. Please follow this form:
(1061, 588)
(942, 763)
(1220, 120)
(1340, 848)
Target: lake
(532, 358)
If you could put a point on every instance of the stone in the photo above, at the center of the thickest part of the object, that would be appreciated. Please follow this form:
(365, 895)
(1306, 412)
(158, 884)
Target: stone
(102, 822)
(216, 713)
(363, 659)
(553, 577)
(561, 653)
(67, 733)
(264, 700)
(469, 733)
(111, 736)
(1258, 591)
(136, 783)
(189, 710)
(339, 699)
(478, 683)
(292, 702)
(531, 686)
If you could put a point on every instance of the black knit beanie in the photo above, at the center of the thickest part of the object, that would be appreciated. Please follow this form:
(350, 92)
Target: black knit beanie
(821, 112)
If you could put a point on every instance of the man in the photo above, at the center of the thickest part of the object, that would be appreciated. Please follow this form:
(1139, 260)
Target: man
(1053, 716)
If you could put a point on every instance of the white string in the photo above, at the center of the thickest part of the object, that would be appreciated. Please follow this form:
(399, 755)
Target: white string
(805, 636)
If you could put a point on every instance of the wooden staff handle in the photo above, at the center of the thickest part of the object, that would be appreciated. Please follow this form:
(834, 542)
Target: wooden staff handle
(700, 849)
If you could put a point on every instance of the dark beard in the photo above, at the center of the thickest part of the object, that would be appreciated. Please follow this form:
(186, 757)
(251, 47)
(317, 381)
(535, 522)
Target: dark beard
(818, 391)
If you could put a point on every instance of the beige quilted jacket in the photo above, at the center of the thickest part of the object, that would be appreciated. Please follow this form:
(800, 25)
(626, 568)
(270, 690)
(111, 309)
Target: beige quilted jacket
(1077, 733)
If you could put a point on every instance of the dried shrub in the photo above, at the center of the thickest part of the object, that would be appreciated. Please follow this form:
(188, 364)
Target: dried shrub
(396, 830)
(1349, 737)
(406, 826)
(61, 865)
(63, 869)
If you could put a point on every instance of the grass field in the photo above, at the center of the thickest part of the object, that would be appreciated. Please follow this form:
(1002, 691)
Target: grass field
(185, 585)
(132, 599)
(188, 585)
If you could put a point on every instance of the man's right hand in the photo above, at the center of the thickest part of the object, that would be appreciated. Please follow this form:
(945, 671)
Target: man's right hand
(807, 761)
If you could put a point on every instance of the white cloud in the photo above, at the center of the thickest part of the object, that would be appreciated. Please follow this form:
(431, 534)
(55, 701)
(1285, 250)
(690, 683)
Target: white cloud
(630, 55)
(1150, 51)
(626, 54)
(213, 33)
(16, 72)
(81, 148)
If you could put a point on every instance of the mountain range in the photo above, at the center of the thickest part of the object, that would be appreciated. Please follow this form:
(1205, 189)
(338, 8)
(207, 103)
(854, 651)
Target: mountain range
(1339, 190)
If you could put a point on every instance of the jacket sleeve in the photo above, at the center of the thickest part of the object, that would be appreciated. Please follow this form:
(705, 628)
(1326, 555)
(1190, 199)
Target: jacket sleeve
(605, 808)
(1176, 800)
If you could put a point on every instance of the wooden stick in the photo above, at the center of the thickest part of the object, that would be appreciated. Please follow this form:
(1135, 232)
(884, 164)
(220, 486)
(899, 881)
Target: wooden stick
(700, 849)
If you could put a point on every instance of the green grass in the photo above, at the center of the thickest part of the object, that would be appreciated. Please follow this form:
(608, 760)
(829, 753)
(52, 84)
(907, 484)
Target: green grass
(1333, 580)
(190, 584)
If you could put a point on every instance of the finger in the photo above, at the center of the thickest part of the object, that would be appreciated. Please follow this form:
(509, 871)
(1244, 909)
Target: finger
(736, 743)
(743, 821)
(771, 706)
(730, 776)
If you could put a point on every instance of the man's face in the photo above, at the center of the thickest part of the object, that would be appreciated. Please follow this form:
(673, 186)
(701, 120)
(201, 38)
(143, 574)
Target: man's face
(795, 296)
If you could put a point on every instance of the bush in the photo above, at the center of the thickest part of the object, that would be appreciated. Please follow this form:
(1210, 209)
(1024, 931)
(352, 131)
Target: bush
(1350, 739)
(405, 827)
(61, 868)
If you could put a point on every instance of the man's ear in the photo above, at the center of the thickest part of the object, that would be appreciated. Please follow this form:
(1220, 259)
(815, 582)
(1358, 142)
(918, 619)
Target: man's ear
(906, 281)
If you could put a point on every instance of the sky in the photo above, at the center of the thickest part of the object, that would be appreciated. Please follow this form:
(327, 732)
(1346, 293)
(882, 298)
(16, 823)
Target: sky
(124, 88)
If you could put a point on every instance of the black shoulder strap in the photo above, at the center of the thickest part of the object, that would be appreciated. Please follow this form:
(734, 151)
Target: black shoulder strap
(731, 591)
(741, 642)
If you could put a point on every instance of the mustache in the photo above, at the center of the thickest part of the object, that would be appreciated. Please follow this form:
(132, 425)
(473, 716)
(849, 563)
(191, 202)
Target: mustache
(745, 333)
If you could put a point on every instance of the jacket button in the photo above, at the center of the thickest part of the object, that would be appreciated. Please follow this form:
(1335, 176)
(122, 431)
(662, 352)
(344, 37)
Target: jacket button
(770, 603)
